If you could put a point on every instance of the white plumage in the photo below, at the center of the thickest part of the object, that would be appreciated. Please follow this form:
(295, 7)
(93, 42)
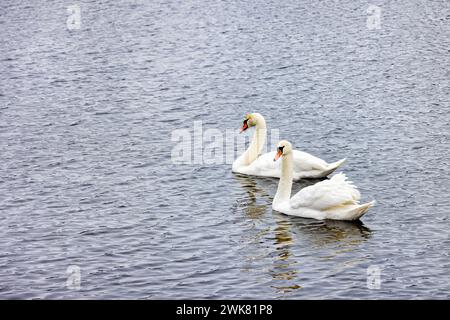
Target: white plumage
(336, 199)
(305, 166)
(252, 163)
(327, 194)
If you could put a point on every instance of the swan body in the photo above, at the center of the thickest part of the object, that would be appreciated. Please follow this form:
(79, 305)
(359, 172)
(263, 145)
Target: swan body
(252, 163)
(305, 166)
(336, 199)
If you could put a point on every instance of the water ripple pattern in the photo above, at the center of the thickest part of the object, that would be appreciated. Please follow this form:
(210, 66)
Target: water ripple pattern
(86, 177)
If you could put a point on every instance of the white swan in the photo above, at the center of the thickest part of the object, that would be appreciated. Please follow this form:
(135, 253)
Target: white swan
(336, 199)
(250, 163)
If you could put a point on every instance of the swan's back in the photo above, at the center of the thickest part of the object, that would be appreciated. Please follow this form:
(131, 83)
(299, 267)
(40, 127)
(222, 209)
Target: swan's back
(337, 191)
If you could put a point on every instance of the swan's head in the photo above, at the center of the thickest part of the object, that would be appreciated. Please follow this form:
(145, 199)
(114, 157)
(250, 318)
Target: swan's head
(284, 147)
(252, 119)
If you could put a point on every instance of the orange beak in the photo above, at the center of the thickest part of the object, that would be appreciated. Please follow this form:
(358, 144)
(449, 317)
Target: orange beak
(278, 155)
(244, 127)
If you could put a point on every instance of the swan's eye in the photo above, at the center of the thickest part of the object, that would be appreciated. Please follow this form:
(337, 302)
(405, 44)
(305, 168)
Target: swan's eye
(281, 149)
(245, 121)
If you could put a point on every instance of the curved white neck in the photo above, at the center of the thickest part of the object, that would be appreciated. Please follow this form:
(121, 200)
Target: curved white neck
(285, 183)
(257, 143)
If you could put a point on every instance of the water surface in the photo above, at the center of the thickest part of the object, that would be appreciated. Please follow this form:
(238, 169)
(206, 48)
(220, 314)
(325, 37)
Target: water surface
(86, 177)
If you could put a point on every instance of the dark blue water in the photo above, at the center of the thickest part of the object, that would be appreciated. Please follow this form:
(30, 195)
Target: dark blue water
(86, 124)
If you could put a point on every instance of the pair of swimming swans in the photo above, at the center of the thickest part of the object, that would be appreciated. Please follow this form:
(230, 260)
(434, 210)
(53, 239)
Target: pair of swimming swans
(336, 198)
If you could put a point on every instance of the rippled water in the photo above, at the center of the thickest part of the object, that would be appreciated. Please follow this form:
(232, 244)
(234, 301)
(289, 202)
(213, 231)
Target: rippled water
(86, 118)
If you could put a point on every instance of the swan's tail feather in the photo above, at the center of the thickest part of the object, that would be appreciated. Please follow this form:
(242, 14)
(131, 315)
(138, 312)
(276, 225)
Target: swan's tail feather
(333, 166)
(360, 210)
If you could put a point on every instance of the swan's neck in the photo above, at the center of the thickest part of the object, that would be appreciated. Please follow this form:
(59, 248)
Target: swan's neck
(285, 183)
(257, 143)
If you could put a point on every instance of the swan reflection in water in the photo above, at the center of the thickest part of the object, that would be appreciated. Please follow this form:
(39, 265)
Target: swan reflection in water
(295, 240)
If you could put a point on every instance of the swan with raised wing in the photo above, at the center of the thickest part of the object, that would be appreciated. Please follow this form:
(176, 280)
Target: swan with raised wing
(336, 198)
(252, 163)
